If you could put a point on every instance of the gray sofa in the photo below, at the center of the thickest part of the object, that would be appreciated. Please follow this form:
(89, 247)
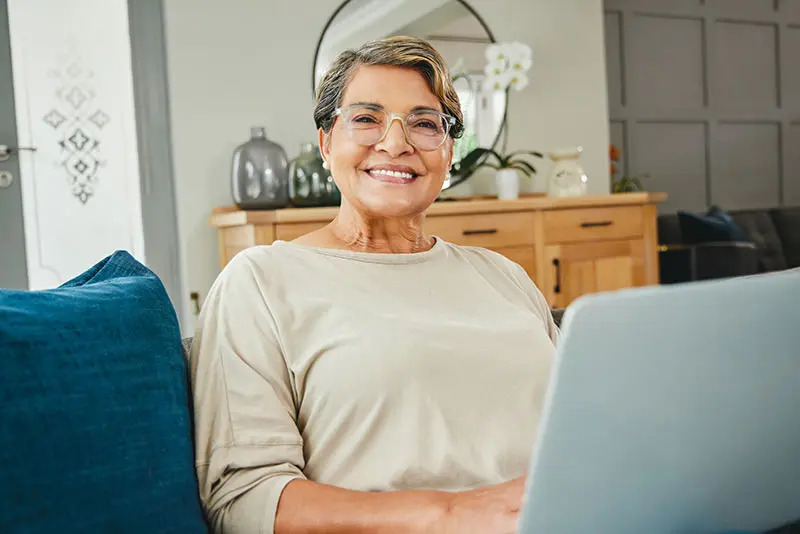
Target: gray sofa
(772, 244)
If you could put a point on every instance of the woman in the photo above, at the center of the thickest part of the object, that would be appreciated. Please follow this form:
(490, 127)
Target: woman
(368, 377)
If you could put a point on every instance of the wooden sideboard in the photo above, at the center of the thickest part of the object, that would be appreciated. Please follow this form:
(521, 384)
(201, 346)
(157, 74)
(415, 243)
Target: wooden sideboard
(568, 246)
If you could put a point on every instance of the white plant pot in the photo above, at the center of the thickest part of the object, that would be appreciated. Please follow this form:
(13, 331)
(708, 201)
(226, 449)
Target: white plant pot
(507, 182)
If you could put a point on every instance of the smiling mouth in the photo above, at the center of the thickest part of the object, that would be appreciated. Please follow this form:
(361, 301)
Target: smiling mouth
(394, 177)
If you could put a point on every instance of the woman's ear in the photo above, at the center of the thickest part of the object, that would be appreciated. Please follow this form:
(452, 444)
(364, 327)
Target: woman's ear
(323, 144)
(451, 146)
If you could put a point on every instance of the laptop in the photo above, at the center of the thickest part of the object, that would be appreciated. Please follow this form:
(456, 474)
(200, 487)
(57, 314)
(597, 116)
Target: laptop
(672, 410)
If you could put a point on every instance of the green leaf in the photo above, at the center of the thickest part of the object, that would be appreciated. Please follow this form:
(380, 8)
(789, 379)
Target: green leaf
(528, 152)
(527, 165)
(477, 157)
(521, 169)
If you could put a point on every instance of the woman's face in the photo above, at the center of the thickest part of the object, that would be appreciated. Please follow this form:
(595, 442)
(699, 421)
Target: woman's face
(357, 169)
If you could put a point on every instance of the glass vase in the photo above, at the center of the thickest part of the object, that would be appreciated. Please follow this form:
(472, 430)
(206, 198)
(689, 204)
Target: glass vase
(310, 184)
(260, 173)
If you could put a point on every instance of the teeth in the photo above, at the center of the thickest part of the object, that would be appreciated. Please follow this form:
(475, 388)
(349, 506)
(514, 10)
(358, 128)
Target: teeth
(395, 174)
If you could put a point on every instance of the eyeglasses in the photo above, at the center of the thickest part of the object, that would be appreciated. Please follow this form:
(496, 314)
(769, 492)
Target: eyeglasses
(368, 125)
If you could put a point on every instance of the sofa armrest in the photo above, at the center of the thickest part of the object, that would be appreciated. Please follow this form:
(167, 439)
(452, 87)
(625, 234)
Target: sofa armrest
(705, 261)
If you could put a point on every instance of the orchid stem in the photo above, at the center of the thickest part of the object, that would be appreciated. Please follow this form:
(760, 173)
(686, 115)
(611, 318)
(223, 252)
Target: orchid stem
(505, 125)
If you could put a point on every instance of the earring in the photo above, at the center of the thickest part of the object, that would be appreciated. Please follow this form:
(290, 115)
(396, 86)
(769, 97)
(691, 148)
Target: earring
(447, 176)
(325, 164)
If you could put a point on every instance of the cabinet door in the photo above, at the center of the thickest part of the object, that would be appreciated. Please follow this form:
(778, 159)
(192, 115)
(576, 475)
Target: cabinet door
(572, 270)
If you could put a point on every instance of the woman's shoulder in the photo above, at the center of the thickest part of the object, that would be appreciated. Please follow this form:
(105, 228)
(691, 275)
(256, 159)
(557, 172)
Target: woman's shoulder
(255, 255)
(495, 265)
(483, 257)
(254, 263)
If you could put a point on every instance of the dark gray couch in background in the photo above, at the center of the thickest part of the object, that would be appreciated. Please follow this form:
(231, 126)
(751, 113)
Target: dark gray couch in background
(773, 244)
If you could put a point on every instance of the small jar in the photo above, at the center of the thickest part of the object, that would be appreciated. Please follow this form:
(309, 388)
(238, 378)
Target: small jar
(567, 178)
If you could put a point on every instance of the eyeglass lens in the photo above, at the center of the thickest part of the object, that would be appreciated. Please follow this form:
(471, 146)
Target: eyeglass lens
(426, 130)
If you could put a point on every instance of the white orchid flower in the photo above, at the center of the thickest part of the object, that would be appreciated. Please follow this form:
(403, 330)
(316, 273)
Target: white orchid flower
(518, 80)
(495, 68)
(517, 50)
(507, 65)
(520, 57)
(498, 52)
(521, 65)
(499, 82)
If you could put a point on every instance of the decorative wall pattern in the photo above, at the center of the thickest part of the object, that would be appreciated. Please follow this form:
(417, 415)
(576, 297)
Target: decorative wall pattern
(704, 95)
(74, 102)
(79, 123)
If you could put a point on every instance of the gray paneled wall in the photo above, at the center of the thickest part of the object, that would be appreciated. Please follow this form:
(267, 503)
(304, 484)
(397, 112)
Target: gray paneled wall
(704, 96)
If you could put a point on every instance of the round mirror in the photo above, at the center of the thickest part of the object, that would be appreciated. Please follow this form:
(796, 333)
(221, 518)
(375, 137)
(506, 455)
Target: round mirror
(453, 28)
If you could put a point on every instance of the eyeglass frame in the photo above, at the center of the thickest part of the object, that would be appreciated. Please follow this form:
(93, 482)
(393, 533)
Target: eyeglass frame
(449, 121)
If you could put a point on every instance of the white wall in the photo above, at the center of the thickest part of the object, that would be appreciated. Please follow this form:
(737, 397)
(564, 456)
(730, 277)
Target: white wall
(239, 63)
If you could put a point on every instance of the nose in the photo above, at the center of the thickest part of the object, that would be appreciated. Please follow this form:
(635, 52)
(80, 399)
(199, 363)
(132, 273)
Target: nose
(395, 142)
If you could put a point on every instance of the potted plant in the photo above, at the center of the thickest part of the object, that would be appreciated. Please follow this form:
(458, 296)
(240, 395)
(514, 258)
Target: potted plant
(507, 65)
(623, 184)
(507, 167)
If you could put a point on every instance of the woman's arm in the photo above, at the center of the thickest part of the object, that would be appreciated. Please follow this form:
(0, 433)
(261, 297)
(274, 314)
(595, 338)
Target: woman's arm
(309, 508)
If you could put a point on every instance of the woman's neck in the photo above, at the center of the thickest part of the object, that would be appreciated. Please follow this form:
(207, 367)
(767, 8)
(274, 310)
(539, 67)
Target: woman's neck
(392, 235)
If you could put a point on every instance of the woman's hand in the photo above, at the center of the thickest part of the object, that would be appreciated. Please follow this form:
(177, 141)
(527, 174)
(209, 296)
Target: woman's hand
(488, 510)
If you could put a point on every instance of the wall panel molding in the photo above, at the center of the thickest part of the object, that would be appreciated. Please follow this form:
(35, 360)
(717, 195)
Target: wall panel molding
(720, 73)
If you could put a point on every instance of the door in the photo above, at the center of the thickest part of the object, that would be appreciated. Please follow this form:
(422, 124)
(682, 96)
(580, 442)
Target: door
(13, 270)
(573, 270)
(90, 102)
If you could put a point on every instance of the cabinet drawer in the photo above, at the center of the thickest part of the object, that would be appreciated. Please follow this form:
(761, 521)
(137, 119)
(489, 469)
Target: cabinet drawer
(590, 224)
(490, 230)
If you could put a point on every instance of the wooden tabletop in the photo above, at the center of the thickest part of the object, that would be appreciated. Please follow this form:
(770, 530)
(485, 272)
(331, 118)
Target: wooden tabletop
(233, 216)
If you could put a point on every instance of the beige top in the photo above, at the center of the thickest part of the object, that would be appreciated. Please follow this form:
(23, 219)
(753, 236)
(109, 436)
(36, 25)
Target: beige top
(371, 372)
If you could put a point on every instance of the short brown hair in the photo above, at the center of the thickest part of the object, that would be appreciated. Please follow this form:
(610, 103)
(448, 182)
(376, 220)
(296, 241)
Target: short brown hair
(408, 52)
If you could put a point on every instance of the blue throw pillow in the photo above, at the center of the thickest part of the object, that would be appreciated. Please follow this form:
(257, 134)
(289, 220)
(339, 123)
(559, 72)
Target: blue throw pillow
(95, 427)
(715, 225)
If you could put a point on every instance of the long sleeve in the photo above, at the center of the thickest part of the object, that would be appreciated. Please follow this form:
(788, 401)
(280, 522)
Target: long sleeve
(247, 443)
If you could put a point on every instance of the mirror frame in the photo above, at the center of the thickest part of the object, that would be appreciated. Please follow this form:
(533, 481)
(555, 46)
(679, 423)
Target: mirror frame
(454, 181)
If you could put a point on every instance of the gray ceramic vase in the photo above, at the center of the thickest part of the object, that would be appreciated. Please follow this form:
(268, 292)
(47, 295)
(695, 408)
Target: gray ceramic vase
(260, 173)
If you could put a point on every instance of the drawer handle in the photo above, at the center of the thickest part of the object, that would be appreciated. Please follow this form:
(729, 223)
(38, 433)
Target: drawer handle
(594, 224)
(480, 232)
(557, 265)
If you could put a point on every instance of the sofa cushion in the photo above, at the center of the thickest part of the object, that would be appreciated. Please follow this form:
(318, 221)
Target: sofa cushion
(787, 225)
(760, 230)
(95, 428)
(714, 226)
(669, 229)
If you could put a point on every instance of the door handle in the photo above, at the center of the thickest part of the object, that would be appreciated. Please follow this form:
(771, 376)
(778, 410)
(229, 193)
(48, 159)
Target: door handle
(557, 265)
(8, 151)
(480, 232)
(596, 223)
